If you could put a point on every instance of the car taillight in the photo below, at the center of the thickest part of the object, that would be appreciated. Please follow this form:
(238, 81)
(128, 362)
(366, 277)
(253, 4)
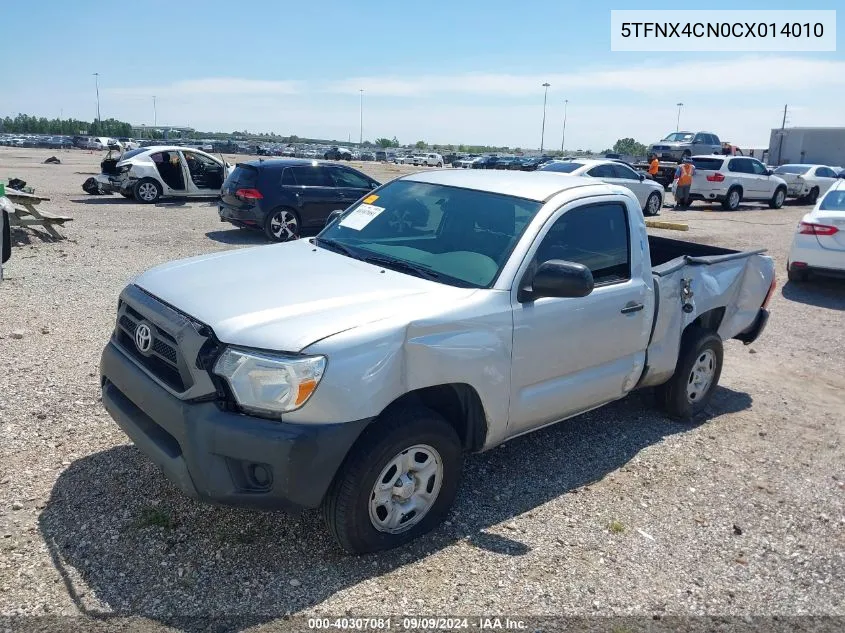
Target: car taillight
(809, 228)
(769, 294)
(716, 177)
(248, 194)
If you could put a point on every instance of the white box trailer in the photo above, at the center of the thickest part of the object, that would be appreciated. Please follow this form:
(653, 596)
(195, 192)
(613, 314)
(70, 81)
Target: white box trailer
(815, 145)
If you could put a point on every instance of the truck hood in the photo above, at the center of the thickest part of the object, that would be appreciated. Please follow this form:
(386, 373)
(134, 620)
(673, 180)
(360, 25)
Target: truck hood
(287, 296)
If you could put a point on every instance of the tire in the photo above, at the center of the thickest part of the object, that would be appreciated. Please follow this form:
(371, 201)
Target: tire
(652, 204)
(440, 164)
(282, 225)
(813, 196)
(681, 397)
(796, 276)
(351, 510)
(778, 199)
(146, 191)
(732, 200)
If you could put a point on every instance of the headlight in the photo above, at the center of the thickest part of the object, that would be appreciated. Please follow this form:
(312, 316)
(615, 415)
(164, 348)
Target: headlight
(270, 384)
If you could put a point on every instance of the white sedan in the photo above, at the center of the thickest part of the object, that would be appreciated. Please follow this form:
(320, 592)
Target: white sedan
(819, 242)
(149, 173)
(806, 182)
(648, 192)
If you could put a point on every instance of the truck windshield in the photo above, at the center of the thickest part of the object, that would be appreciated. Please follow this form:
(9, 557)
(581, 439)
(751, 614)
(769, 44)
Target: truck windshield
(679, 136)
(457, 236)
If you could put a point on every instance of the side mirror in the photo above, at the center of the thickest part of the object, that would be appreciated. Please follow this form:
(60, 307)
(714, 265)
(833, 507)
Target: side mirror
(558, 278)
(374, 184)
(334, 215)
(769, 172)
(642, 177)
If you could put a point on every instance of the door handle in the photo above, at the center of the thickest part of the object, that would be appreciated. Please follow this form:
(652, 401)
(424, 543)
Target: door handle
(632, 307)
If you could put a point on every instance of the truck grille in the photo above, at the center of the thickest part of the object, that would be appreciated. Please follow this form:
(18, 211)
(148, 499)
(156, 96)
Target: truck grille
(661, 147)
(162, 360)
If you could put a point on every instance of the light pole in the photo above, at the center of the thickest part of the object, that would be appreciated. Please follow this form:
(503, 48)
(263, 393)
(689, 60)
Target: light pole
(97, 87)
(155, 112)
(361, 114)
(678, 122)
(543, 130)
(563, 136)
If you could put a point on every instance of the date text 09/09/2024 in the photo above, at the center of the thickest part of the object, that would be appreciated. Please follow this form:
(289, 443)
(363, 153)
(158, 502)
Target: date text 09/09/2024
(722, 29)
(417, 624)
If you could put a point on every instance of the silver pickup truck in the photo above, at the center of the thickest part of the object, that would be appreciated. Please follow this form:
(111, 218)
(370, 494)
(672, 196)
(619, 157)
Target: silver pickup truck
(444, 313)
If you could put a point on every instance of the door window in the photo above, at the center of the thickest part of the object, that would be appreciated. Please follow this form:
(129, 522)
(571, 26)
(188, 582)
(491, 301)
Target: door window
(602, 171)
(623, 171)
(312, 176)
(740, 165)
(825, 172)
(348, 178)
(757, 168)
(594, 235)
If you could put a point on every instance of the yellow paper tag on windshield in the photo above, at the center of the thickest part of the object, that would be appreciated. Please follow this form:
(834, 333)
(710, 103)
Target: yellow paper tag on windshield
(370, 199)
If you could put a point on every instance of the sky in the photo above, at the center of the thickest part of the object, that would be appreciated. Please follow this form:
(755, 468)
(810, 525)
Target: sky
(443, 72)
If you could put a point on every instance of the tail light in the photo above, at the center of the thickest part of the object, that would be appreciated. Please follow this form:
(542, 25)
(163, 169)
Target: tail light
(809, 228)
(770, 293)
(248, 194)
(716, 177)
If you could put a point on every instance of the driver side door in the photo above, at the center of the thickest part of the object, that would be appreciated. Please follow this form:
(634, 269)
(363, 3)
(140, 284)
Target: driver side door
(574, 354)
(204, 175)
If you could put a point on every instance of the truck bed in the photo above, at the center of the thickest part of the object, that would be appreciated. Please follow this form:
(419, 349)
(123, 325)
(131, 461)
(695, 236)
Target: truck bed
(717, 286)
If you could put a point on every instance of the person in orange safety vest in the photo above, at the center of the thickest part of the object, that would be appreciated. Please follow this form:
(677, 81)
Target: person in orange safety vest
(683, 180)
(653, 166)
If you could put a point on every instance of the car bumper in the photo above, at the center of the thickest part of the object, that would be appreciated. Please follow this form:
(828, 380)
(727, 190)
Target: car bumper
(671, 154)
(806, 250)
(222, 457)
(797, 191)
(249, 217)
(753, 333)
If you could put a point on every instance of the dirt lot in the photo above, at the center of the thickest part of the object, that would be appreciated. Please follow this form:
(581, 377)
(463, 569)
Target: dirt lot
(616, 512)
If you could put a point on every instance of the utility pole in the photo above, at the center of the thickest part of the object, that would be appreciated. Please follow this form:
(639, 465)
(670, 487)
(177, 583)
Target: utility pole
(97, 87)
(155, 112)
(782, 133)
(543, 130)
(678, 122)
(361, 112)
(563, 136)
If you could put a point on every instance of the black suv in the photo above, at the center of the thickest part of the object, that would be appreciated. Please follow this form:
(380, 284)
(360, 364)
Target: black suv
(281, 197)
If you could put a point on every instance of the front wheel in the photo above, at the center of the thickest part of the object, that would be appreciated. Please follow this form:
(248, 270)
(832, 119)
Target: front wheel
(282, 225)
(652, 205)
(778, 199)
(398, 482)
(686, 394)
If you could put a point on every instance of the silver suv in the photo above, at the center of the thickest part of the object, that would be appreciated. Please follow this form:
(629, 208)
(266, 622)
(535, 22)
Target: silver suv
(679, 144)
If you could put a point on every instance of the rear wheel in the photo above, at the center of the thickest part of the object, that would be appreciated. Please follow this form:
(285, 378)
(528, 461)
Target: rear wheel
(282, 225)
(813, 196)
(652, 205)
(796, 275)
(778, 199)
(146, 190)
(398, 482)
(732, 200)
(687, 393)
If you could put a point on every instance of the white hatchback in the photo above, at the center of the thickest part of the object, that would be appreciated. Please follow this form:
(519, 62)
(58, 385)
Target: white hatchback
(819, 242)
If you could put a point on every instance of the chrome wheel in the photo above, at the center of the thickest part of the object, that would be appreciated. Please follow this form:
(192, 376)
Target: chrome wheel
(779, 197)
(147, 191)
(701, 376)
(284, 225)
(653, 204)
(406, 489)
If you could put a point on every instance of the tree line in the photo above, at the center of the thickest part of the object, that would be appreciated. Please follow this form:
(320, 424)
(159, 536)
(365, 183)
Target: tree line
(27, 124)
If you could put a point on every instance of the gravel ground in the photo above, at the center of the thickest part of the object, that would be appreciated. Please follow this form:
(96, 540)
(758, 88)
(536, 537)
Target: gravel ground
(617, 512)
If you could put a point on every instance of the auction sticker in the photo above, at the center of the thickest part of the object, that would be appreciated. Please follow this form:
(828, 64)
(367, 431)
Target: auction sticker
(361, 217)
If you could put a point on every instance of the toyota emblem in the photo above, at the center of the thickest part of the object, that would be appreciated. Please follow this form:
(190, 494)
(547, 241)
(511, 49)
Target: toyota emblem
(143, 338)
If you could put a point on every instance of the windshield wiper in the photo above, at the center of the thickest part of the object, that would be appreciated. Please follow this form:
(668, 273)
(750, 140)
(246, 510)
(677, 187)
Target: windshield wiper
(398, 264)
(336, 246)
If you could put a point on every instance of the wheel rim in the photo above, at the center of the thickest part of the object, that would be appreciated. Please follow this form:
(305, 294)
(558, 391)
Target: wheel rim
(734, 199)
(406, 489)
(701, 376)
(653, 203)
(284, 226)
(147, 191)
(779, 198)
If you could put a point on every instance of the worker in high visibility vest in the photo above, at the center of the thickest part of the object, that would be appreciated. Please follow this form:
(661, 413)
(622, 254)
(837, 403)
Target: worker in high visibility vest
(683, 180)
(653, 166)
